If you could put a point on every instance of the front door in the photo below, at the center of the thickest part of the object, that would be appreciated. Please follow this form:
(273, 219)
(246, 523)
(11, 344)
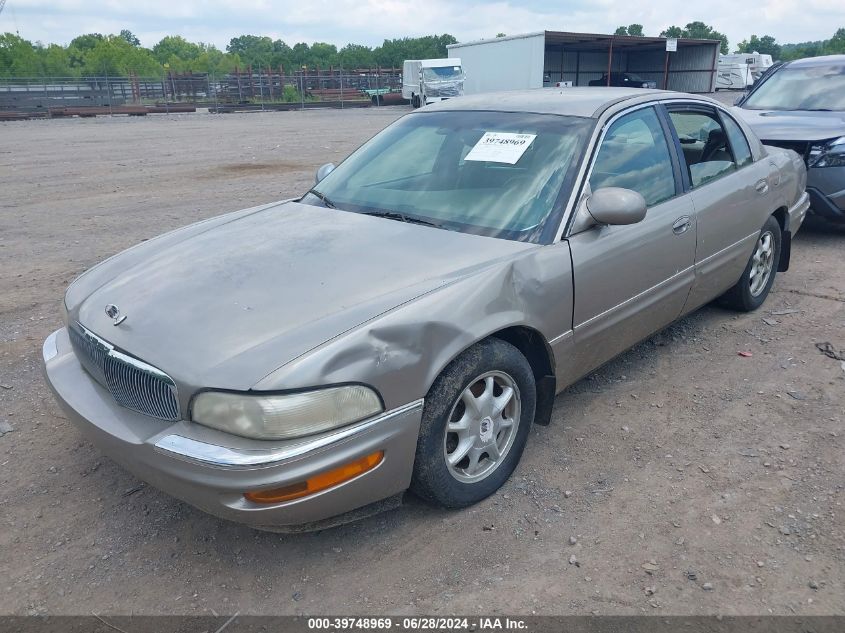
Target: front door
(633, 280)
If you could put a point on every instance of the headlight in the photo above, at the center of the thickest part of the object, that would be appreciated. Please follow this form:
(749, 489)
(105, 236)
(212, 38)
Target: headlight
(828, 153)
(285, 416)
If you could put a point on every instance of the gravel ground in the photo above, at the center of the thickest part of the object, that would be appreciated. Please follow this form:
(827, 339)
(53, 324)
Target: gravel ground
(680, 479)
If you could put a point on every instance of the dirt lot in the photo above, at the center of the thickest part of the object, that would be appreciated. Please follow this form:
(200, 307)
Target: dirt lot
(683, 478)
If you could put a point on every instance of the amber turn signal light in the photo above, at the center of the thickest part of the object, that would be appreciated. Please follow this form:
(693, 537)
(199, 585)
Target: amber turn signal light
(317, 482)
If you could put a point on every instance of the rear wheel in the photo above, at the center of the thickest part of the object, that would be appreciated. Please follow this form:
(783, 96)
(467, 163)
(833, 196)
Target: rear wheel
(753, 287)
(476, 421)
(415, 101)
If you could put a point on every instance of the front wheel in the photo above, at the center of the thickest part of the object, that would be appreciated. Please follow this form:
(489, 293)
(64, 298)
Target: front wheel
(475, 424)
(753, 287)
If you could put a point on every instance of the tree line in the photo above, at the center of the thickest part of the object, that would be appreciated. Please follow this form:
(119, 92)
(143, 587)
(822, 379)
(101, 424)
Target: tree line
(766, 44)
(94, 54)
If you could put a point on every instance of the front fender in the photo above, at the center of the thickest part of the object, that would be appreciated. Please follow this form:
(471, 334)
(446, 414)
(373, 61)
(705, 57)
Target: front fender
(401, 352)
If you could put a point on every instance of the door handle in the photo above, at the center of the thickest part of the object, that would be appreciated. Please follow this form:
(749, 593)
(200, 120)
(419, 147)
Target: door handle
(681, 225)
(762, 186)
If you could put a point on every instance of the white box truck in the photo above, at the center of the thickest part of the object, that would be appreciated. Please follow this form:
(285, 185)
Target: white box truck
(514, 62)
(429, 80)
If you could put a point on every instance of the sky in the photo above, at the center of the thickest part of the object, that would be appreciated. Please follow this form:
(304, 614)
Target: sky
(370, 22)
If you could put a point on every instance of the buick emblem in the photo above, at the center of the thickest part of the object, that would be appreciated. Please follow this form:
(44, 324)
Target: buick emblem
(486, 430)
(113, 313)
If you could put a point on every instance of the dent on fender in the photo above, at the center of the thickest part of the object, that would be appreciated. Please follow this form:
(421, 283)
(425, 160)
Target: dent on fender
(401, 357)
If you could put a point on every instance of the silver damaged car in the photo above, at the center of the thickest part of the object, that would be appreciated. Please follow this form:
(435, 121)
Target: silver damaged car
(404, 323)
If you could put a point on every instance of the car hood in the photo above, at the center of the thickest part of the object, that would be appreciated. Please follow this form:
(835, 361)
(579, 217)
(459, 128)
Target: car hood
(786, 125)
(222, 304)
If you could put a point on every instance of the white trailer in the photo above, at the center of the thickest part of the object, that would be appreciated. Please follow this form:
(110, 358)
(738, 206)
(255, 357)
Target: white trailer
(429, 80)
(730, 76)
(758, 63)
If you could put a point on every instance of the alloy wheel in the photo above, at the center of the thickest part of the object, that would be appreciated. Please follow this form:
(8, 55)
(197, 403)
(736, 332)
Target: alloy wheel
(482, 426)
(762, 263)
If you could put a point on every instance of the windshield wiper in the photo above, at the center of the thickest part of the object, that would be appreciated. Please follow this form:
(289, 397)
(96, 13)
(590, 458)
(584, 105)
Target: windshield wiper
(323, 198)
(394, 215)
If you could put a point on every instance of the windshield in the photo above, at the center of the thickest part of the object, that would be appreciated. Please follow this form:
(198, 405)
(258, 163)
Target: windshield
(446, 73)
(801, 88)
(488, 173)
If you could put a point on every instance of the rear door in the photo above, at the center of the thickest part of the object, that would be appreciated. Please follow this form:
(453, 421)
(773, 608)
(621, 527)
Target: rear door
(730, 193)
(632, 280)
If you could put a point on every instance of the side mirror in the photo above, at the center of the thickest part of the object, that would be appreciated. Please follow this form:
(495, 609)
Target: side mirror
(324, 171)
(613, 205)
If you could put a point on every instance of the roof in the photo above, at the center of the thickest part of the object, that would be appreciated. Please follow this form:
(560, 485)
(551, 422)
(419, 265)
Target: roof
(824, 60)
(592, 41)
(598, 41)
(583, 102)
(505, 38)
(437, 63)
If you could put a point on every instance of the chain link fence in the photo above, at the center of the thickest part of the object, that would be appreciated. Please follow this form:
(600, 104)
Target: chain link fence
(182, 92)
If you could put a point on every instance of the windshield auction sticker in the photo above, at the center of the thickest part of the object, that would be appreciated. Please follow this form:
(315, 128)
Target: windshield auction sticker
(501, 147)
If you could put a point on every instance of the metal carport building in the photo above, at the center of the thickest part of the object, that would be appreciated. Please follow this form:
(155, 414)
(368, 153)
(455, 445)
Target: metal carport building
(523, 61)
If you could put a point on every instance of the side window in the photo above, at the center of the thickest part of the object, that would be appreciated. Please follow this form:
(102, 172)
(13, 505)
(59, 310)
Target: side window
(739, 144)
(704, 144)
(634, 155)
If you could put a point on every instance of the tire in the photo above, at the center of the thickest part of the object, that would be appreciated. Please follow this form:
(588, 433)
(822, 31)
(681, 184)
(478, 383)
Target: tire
(751, 291)
(415, 101)
(489, 367)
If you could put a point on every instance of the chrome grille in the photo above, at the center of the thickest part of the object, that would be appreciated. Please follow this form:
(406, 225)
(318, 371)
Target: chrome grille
(133, 383)
(91, 353)
(442, 91)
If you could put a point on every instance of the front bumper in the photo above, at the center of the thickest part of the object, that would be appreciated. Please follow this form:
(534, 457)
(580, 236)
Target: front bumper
(211, 469)
(826, 186)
